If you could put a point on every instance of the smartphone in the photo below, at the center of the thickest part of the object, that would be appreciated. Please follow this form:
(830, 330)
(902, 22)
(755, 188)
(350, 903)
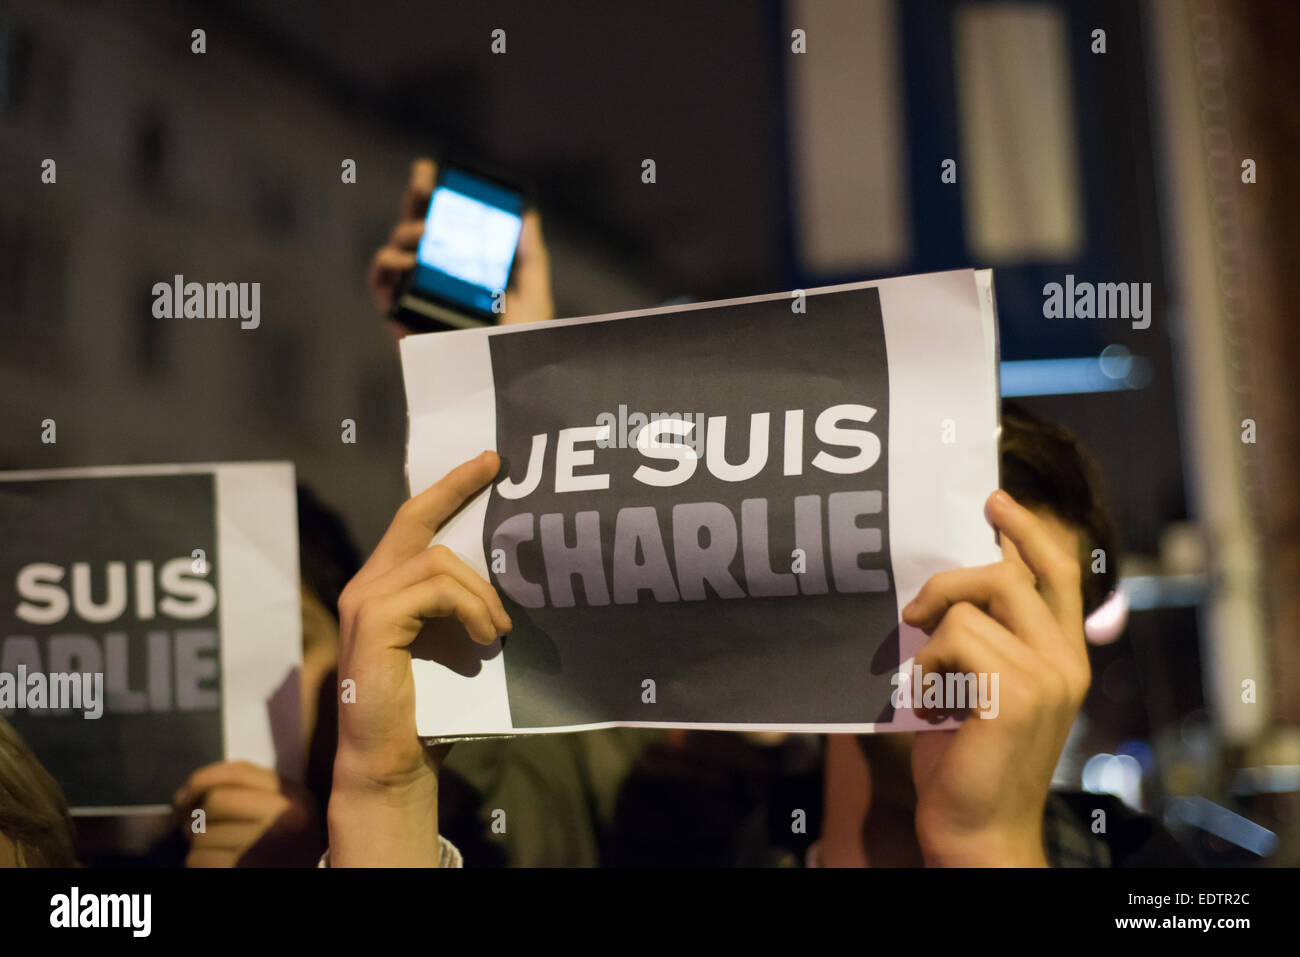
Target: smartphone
(464, 259)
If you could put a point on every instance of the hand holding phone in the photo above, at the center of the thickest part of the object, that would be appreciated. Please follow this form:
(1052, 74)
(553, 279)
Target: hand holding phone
(464, 255)
(396, 257)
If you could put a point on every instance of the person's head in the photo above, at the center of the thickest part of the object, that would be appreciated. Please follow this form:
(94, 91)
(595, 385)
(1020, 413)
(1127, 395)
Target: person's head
(1046, 469)
(35, 829)
(327, 560)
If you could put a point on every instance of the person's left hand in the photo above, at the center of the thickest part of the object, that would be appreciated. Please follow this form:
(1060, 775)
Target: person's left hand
(981, 788)
(247, 810)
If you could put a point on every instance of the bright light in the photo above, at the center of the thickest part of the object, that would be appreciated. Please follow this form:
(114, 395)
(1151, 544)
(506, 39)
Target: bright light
(1107, 623)
(1221, 822)
(1115, 370)
(1117, 774)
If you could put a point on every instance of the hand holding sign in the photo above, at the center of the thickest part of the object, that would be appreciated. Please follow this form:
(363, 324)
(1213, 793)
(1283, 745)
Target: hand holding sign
(384, 804)
(981, 789)
(248, 812)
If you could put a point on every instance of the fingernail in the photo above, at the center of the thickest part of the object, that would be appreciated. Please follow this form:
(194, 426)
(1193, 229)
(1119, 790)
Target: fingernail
(990, 504)
(1002, 498)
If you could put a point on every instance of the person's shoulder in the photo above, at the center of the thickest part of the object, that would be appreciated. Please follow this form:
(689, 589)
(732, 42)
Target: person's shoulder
(1099, 830)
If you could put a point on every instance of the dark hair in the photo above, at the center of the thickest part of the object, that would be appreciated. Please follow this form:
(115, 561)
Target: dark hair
(33, 813)
(1044, 465)
(327, 557)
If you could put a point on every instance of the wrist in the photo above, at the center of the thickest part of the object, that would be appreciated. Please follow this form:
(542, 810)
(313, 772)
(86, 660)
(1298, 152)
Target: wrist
(984, 849)
(383, 823)
(362, 772)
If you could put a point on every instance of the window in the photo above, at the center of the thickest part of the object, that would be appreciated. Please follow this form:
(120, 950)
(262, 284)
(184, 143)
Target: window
(34, 76)
(16, 48)
(33, 257)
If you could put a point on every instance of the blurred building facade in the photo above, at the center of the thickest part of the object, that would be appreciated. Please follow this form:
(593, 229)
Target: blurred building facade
(223, 166)
(776, 169)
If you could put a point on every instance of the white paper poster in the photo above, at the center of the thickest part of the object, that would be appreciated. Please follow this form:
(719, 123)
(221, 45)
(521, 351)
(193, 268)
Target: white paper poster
(711, 514)
(151, 625)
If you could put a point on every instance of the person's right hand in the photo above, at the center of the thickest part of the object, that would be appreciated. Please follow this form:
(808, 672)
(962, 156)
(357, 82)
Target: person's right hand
(383, 807)
(250, 817)
(528, 298)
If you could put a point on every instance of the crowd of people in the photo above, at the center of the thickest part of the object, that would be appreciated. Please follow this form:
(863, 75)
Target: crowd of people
(374, 794)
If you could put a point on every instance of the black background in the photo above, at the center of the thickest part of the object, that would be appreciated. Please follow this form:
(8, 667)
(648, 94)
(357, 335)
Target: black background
(824, 658)
(117, 759)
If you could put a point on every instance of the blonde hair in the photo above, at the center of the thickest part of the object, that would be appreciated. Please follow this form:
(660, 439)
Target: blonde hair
(33, 812)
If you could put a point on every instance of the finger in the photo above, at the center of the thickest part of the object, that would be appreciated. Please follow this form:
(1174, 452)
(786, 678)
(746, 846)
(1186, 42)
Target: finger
(532, 247)
(530, 298)
(390, 259)
(1005, 589)
(418, 520)
(1057, 572)
(231, 836)
(418, 190)
(1012, 554)
(243, 774)
(440, 597)
(441, 560)
(386, 268)
(204, 857)
(242, 804)
(970, 642)
(406, 235)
